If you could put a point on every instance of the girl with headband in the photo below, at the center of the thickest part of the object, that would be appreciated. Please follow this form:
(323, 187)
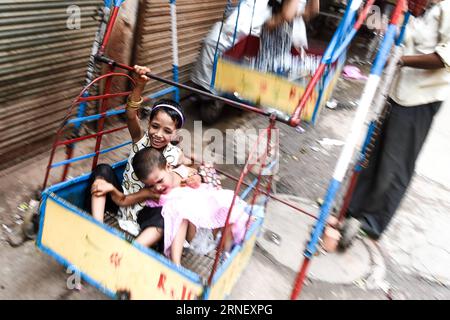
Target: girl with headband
(166, 118)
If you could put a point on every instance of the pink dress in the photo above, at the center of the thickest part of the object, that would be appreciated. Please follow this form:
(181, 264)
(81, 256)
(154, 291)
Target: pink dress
(205, 207)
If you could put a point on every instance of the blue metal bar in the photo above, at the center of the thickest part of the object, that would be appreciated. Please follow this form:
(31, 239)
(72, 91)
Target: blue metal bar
(192, 276)
(162, 93)
(370, 132)
(68, 183)
(325, 81)
(328, 77)
(383, 53)
(342, 40)
(95, 117)
(348, 16)
(175, 72)
(352, 34)
(253, 15)
(349, 22)
(118, 3)
(332, 190)
(216, 52)
(175, 78)
(214, 71)
(401, 36)
(237, 22)
(117, 112)
(335, 183)
(371, 128)
(344, 45)
(81, 111)
(90, 155)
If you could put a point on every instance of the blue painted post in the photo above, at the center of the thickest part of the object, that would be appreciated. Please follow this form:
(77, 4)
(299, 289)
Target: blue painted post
(175, 63)
(346, 154)
(216, 52)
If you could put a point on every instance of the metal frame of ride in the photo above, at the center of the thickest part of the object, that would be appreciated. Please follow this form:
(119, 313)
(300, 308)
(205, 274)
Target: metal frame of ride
(113, 264)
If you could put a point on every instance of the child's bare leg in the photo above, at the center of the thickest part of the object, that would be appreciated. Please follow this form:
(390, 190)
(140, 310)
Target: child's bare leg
(191, 231)
(176, 250)
(228, 239)
(149, 236)
(98, 207)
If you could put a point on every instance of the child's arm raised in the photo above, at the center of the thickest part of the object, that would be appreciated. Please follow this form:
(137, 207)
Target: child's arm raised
(134, 102)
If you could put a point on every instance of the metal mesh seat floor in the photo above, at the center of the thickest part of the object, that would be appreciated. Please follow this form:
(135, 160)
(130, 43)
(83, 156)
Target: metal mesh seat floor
(200, 264)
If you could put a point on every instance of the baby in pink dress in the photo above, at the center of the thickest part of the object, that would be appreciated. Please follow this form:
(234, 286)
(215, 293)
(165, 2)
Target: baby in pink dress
(184, 208)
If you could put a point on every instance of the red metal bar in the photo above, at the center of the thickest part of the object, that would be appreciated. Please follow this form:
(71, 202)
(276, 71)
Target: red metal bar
(101, 121)
(90, 136)
(257, 191)
(105, 41)
(79, 99)
(272, 196)
(269, 188)
(69, 150)
(269, 185)
(104, 96)
(69, 153)
(348, 196)
(222, 240)
(296, 117)
(60, 129)
(227, 221)
(355, 175)
(50, 160)
(76, 101)
(300, 280)
(109, 29)
(70, 147)
(398, 11)
(363, 14)
(268, 194)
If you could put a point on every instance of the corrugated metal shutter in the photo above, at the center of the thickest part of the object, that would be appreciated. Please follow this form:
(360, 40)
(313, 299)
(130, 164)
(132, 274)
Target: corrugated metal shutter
(154, 48)
(42, 68)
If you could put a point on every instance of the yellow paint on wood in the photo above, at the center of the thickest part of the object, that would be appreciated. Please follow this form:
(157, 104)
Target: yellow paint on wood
(111, 261)
(267, 90)
(226, 282)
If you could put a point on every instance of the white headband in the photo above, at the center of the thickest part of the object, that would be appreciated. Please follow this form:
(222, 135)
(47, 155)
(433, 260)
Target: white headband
(170, 107)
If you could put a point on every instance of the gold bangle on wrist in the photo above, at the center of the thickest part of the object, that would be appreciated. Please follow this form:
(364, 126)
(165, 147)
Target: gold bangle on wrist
(134, 104)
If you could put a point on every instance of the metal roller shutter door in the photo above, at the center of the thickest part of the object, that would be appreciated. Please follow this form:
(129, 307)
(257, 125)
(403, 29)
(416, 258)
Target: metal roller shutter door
(153, 43)
(42, 68)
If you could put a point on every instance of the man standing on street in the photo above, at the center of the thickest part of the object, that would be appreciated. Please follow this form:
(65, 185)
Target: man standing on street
(418, 91)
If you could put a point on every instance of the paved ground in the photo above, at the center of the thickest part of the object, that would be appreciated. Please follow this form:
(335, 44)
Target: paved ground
(411, 261)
